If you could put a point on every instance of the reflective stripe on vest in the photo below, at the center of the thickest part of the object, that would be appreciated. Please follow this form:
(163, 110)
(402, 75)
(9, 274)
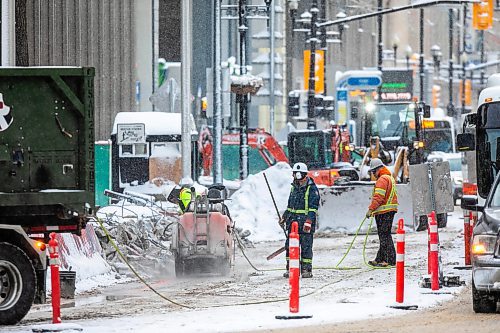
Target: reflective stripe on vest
(306, 207)
(389, 205)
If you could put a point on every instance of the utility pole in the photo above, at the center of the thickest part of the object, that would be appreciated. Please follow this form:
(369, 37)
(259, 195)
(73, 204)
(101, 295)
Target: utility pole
(311, 119)
(217, 91)
(186, 63)
(243, 99)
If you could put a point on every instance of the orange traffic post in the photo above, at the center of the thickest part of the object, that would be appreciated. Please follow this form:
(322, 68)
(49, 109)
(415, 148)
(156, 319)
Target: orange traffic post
(54, 274)
(400, 262)
(467, 236)
(473, 221)
(294, 273)
(434, 249)
(400, 270)
(428, 245)
(294, 267)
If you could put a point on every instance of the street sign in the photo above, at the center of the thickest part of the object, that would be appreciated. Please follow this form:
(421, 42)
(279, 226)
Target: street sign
(397, 85)
(341, 107)
(373, 81)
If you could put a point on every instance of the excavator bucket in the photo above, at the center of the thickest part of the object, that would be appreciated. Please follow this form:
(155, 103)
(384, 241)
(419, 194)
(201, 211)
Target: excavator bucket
(342, 208)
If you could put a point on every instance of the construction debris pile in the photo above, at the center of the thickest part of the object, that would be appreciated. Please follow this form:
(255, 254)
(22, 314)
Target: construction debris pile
(142, 232)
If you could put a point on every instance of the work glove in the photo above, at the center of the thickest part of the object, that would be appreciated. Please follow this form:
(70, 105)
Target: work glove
(307, 226)
(281, 222)
(369, 213)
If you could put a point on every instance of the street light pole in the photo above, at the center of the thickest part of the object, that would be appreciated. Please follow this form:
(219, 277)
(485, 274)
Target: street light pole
(243, 99)
(217, 91)
(450, 108)
(271, 65)
(311, 120)
(418, 127)
(186, 87)
(482, 57)
(380, 43)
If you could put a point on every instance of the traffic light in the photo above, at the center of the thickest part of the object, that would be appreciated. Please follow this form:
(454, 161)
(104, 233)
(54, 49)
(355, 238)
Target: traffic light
(468, 93)
(436, 94)
(293, 105)
(482, 15)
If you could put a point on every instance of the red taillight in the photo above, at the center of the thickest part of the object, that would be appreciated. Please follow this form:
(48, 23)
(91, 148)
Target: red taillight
(469, 188)
(41, 246)
(1, 105)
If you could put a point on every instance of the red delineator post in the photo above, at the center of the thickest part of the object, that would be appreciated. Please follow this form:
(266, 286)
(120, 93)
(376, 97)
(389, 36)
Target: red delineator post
(428, 245)
(54, 273)
(400, 262)
(294, 267)
(434, 251)
(473, 221)
(467, 236)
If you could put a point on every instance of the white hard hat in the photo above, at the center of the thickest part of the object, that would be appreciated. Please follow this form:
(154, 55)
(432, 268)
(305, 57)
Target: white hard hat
(186, 181)
(300, 167)
(375, 163)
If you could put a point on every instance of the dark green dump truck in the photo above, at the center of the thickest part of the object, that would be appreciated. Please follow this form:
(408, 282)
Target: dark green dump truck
(46, 173)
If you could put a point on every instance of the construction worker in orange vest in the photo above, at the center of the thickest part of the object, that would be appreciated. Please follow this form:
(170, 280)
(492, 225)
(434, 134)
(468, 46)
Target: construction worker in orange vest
(384, 206)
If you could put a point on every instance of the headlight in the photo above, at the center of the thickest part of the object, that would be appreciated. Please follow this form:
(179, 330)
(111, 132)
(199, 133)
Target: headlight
(483, 244)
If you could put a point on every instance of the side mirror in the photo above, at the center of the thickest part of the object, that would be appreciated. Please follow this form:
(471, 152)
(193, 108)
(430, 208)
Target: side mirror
(466, 142)
(469, 202)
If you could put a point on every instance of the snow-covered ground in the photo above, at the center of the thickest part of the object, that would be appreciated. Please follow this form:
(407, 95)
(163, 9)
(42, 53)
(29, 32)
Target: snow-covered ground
(217, 302)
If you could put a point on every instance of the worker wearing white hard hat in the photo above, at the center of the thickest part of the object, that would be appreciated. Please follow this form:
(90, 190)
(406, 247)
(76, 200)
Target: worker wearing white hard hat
(302, 207)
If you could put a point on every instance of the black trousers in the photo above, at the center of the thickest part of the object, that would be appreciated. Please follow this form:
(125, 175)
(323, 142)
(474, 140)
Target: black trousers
(386, 252)
(306, 251)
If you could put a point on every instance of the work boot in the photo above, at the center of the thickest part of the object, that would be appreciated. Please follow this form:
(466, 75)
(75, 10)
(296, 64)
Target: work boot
(307, 274)
(286, 275)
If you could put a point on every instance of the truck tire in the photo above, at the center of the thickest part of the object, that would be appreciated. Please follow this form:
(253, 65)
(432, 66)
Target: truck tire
(482, 302)
(17, 284)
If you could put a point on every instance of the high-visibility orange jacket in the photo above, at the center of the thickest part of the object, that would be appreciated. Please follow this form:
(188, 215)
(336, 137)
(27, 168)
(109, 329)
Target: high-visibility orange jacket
(385, 197)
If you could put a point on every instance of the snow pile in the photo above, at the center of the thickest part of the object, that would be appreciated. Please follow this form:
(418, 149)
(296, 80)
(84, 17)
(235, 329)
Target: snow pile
(252, 208)
(247, 80)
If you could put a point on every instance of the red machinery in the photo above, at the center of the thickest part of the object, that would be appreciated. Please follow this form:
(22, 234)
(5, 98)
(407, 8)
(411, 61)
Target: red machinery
(258, 139)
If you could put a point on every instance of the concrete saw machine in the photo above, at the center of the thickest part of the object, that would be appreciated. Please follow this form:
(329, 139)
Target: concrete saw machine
(203, 239)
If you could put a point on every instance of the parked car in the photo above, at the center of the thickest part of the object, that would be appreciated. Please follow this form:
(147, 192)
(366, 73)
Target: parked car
(485, 250)
(455, 160)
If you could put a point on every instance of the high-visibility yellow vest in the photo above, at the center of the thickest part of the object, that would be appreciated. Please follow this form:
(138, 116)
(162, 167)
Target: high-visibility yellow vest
(306, 209)
(389, 205)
